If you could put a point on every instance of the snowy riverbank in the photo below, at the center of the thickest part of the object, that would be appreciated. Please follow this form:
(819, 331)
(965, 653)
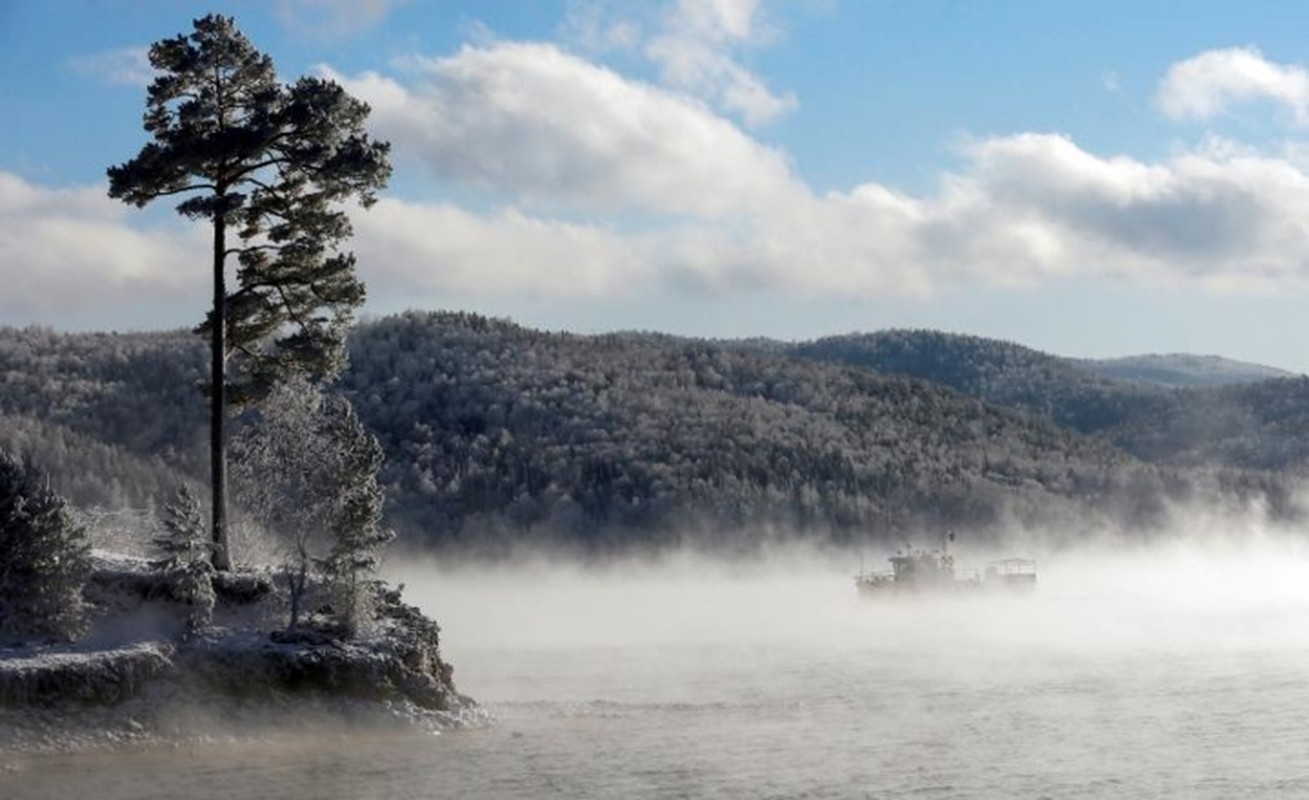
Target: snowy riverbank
(140, 678)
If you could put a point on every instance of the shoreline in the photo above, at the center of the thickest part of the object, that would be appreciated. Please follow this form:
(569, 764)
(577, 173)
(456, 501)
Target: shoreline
(174, 717)
(142, 676)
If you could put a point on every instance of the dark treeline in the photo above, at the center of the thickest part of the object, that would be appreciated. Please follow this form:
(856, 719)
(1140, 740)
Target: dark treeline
(496, 433)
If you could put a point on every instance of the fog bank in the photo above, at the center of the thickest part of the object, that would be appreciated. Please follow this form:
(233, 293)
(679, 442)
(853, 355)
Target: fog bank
(1240, 590)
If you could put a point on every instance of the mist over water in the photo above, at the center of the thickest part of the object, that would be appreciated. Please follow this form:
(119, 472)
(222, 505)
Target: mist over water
(1170, 668)
(1175, 666)
(1114, 598)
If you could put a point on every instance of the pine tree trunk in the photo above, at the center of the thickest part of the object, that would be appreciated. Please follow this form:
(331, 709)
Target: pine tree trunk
(218, 400)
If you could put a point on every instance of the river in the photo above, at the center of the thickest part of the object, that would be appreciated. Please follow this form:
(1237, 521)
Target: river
(1174, 671)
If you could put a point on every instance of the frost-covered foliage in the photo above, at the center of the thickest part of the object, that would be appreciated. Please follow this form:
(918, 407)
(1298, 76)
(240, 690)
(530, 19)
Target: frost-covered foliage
(139, 674)
(112, 418)
(184, 539)
(44, 558)
(306, 468)
(496, 435)
(192, 583)
(186, 548)
(358, 533)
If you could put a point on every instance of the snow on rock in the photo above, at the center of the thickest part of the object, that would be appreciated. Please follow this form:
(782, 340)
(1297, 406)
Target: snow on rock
(66, 675)
(140, 675)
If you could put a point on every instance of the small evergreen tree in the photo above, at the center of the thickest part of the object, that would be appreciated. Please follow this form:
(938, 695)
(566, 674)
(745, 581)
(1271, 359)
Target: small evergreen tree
(184, 539)
(186, 549)
(44, 557)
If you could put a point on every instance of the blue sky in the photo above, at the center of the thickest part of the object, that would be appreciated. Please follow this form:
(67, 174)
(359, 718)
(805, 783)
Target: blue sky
(1090, 179)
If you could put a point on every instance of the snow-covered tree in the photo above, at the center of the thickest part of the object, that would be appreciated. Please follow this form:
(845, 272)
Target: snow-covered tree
(184, 539)
(307, 469)
(268, 166)
(186, 548)
(358, 533)
(44, 557)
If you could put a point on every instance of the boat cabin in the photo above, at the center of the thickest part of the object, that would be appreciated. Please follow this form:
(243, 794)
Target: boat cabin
(934, 570)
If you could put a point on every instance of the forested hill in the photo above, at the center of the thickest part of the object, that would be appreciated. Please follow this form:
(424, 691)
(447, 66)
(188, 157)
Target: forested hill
(997, 372)
(494, 427)
(1234, 418)
(494, 433)
(115, 418)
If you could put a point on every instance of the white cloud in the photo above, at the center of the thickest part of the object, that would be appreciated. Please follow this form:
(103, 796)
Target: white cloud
(671, 193)
(408, 249)
(697, 46)
(551, 128)
(1209, 84)
(597, 28)
(1223, 217)
(595, 185)
(72, 252)
(693, 66)
(1021, 210)
(126, 65)
(697, 53)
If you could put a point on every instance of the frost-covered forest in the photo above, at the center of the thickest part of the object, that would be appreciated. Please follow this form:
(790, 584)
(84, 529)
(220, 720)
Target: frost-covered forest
(495, 433)
(1176, 410)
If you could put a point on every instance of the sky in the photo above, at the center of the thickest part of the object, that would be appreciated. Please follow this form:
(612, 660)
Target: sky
(1087, 178)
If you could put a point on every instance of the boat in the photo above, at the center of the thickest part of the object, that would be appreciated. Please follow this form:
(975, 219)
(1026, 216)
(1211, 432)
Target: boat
(1011, 573)
(933, 570)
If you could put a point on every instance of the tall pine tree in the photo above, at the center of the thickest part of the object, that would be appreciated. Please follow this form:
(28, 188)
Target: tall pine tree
(271, 163)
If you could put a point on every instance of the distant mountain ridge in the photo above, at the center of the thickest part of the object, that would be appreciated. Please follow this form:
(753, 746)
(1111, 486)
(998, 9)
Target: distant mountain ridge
(1182, 369)
(496, 433)
(991, 370)
(1263, 424)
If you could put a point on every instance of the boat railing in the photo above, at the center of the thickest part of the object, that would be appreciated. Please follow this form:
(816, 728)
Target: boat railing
(1006, 567)
(968, 575)
(878, 576)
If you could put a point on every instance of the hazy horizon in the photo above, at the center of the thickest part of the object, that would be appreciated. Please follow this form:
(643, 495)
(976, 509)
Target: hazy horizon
(585, 331)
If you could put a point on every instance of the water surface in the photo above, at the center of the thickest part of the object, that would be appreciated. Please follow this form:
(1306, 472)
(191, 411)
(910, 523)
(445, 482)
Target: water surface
(1179, 671)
